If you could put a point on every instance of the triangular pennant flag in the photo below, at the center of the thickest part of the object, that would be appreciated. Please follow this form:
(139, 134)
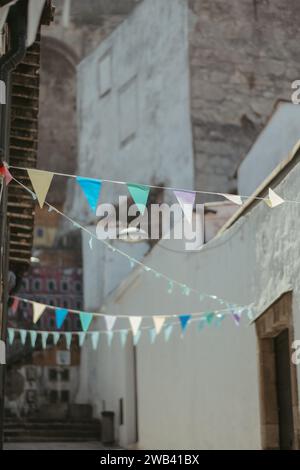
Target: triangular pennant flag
(38, 310)
(41, 181)
(140, 195)
(201, 324)
(110, 322)
(60, 314)
(168, 332)
(68, 337)
(81, 337)
(110, 336)
(152, 334)
(233, 198)
(184, 319)
(209, 318)
(95, 339)
(85, 319)
(56, 337)
(274, 199)
(15, 305)
(33, 336)
(44, 339)
(158, 323)
(186, 200)
(91, 189)
(11, 335)
(135, 323)
(237, 317)
(4, 171)
(137, 337)
(219, 319)
(123, 337)
(23, 335)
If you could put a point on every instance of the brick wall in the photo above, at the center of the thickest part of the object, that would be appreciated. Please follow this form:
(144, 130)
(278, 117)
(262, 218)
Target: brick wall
(244, 54)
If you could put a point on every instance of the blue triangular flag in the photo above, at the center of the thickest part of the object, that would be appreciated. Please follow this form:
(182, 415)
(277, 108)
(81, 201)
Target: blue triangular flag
(123, 337)
(95, 339)
(81, 336)
(85, 319)
(152, 334)
(60, 314)
(140, 195)
(33, 336)
(11, 335)
(184, 319)
(168, 332)
(91, 189)
(68, 337)
(137, 337)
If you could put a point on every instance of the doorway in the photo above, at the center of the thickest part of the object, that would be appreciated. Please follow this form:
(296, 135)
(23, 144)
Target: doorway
(278, 378)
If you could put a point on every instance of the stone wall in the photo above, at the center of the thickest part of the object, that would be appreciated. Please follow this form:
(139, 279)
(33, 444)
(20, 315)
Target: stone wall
(244, 55)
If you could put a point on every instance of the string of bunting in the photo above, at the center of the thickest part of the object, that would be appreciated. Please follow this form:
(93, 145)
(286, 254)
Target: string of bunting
(172, 283)
(91, 187)
(161, 325)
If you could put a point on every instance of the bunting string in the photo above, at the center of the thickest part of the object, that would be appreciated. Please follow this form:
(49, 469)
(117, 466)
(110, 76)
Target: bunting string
(172, 283)
(236, 199)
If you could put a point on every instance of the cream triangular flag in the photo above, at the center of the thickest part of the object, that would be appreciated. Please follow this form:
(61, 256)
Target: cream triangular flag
(110, 322)
(135, 323)
(274, 199)
(38, 310)
(41, 181)
(234, 198)
(158, 323)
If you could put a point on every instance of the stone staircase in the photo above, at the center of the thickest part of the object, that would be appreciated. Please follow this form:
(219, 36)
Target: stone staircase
(51, 431)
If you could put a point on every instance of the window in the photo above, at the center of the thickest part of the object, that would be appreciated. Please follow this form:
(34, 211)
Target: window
(128, 111)
(39, 232)
(53, 396)
(65, 303)
(78, 286)
(52, 375)
(64, 286)
(51, 285)
(37, 285)
(105, 74)
(65, 375)
(65, 396)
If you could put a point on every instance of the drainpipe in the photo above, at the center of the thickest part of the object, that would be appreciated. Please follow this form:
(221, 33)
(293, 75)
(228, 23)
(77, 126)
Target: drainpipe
(17, 24)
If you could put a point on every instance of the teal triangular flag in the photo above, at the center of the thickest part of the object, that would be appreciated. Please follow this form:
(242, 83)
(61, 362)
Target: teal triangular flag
(201, 324)
(33, 336)
(123, 337)
(23, 334)
(210, 318)
(91, 189)
(11, 335)
(184, 319)
(60, 314)
(152, 334)
(137, 337)
(95, 339)
(81, 336)
(68, 337)
(140, 195)
(168, 332)
(219, 319)
(44, 339)
(110, 335)
(85, 319)
(56, 337)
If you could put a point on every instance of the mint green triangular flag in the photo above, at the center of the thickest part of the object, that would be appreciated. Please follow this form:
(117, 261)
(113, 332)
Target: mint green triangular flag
(23, 335)
(68, 337)
(33, 336)
(11, 335)
(140, 195)
(44, 339)
(85, 319)
(123, 337)
(152, 334)
(56, 337)
(137, 337)
(110, 335)
(95, 339)
(81, 336)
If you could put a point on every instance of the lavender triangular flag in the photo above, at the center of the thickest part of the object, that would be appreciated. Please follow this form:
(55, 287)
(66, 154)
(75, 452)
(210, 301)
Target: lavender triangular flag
(186, 200)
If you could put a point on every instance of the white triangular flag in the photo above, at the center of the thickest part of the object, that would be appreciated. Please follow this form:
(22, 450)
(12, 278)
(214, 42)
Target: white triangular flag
(274, 199)
(158, 323)
(233, 198)
(186, 200)
(135, 323)
(110, 321)
(38, 310)
(41, 181)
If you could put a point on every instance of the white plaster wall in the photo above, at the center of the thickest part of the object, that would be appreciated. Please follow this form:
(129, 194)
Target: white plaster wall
(151, 45)
(272, 147)
(202, 391)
